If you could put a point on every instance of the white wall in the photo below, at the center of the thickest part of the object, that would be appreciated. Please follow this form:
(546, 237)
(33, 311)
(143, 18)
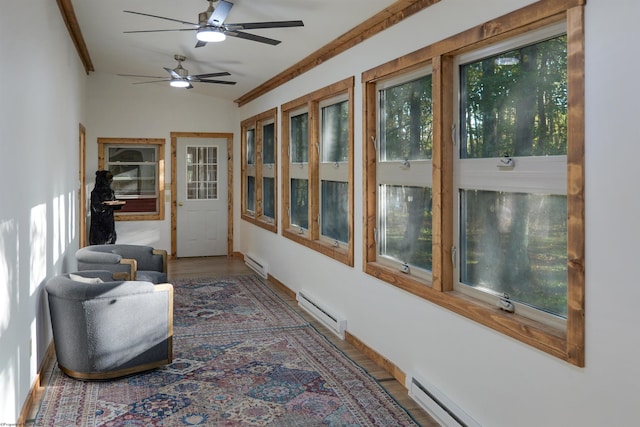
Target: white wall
(495, 379)
(41, 106)
(498, 381)
(118, 108)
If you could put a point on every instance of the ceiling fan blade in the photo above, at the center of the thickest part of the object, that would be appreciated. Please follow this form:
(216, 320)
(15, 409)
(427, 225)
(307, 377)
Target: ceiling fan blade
(200, 76)
(201, 43)
(256, 25)
(220, 13)
(137, 75)
(161, 17)
(159, 31)
(154, 81)
(222, 82)
(252, 37)
(173, 73)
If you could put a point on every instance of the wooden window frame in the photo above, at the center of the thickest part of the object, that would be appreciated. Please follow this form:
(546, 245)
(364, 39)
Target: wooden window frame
(160, 146)
(567, 344)
(313, 239)
(257, 217)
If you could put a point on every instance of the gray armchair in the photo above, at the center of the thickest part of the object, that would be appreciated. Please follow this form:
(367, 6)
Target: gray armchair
(106, 329)
(130, 262)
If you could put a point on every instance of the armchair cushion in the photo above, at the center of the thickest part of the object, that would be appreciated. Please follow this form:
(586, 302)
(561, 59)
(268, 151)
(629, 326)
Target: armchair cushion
(138, 261)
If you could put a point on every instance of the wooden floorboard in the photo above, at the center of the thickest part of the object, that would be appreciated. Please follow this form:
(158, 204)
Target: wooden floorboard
(223, 266)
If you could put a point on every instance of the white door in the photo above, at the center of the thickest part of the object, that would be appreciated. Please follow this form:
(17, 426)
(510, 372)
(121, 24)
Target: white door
(202, 197)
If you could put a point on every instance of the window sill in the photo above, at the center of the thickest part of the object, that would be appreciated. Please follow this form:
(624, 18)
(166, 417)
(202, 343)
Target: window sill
(535, 334)
(139, 217)
(267, 225)
(341, 254)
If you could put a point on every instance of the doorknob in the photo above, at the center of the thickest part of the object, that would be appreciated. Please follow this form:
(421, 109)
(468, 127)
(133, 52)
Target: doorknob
(180, 203)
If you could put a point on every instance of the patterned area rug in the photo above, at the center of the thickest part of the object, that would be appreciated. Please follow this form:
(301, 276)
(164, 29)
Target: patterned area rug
(242, 357)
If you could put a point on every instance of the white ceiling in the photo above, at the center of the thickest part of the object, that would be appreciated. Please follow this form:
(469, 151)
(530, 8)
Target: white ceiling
(103, 23)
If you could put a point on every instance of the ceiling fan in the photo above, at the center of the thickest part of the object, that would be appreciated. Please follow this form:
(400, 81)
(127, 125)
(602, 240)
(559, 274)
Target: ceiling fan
(211, 26)
(179, 76)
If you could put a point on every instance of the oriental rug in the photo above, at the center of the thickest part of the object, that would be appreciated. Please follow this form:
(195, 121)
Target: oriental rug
(242, 357)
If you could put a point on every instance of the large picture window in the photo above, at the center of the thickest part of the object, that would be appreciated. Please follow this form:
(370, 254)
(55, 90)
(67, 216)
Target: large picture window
(137, 165)
(474, 176)
(318, 170)
(259, 170)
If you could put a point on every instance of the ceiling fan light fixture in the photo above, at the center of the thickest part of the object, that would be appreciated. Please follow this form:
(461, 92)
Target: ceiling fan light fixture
(179, 83)
(208, 34)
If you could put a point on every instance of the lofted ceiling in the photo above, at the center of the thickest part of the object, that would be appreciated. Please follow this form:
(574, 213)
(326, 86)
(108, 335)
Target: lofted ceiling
(103, 22)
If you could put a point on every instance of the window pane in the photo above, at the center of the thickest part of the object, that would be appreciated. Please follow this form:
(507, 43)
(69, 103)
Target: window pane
(251, 193)
(300, 138)
(251, 147)
(516, 244)
(300, 203)
(268, 197)
(406, 224)
(335, 210)
(515, 103)
(131, 154)
(133, 180)
(335, 133)
(202, 173)
(406, 121)
(268, 144)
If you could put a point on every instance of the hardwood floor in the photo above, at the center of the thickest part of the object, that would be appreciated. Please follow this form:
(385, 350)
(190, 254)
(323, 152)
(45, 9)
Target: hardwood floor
(223, 266)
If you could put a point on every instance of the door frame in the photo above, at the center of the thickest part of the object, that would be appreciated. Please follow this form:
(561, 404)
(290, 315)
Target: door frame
(82, 191)
(174, 185)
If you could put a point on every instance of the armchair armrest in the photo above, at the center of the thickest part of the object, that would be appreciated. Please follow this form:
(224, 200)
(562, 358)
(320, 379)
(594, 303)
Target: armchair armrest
(163, 254)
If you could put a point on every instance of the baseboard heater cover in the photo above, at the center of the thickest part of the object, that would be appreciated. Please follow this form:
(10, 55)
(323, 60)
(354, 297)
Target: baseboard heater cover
(337, 324)
(257, 265)
(437, 404)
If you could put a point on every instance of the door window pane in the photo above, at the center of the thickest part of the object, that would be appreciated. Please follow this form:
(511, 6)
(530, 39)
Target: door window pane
(407, 126)
(515, 103)
(335, 210)
(406, 224)
(202, 173)
(300, 203)
(268, 197)
(516, 243)
(300, 138)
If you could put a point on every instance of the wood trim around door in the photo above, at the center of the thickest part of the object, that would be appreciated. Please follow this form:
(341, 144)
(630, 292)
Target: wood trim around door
(82, 191)
(174, 185)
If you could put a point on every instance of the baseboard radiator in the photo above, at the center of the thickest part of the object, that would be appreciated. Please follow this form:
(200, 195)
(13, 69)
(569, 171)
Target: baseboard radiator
(437, 404)
(335, 323)
(257, 265)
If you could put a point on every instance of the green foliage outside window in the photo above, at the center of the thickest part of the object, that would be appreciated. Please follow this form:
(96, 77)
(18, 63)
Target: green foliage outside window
(407, 124)
(515, 103)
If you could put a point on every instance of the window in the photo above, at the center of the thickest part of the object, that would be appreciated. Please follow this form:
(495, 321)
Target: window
(510, 174)
(299, 170)
(137, 166)
(474, 176)
(318, 170)
(259, 170)
(405, 122)
(334, 170)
